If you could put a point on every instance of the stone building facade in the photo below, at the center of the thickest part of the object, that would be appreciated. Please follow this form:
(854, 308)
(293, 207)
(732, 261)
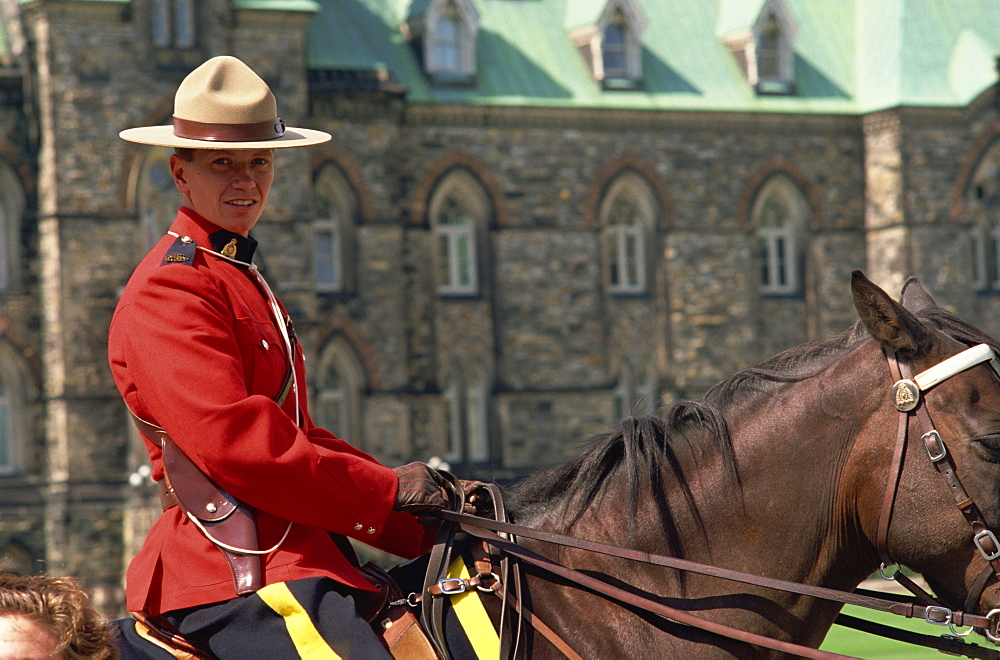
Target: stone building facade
(500, 347)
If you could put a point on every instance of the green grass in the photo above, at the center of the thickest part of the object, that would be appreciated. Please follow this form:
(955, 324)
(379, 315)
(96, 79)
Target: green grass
(848, 641)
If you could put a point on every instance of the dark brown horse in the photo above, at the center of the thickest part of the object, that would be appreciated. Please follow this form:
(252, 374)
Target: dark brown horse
(781, 471)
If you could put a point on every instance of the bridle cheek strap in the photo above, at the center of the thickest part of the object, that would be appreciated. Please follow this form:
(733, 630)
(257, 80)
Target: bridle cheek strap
(907, 397)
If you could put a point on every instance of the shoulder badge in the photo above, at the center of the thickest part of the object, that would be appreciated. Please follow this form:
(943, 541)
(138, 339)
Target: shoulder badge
(181, 252)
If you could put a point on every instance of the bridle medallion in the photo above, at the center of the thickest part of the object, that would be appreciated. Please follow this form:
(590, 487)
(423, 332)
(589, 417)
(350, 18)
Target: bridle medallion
(905, 395)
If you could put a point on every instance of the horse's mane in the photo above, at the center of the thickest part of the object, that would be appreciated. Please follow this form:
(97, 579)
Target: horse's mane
(642, 446)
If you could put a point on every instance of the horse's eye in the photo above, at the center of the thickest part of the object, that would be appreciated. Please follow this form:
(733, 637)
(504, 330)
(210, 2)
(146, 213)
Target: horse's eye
(987, 446)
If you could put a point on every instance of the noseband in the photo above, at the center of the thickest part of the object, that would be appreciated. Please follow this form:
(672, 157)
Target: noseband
(907, 396)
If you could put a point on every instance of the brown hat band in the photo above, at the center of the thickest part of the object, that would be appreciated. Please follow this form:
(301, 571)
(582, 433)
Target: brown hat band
(197, 130)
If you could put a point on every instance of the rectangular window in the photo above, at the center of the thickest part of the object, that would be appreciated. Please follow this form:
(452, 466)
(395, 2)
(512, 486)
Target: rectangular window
(328, 254)
(184, 23)
(457, 267)
(779, 272)
(453, 408)
(160, 17)
(479, 447)
(626, 259)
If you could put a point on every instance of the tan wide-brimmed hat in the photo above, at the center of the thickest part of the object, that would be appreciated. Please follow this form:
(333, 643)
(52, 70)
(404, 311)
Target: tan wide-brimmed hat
(223, 104)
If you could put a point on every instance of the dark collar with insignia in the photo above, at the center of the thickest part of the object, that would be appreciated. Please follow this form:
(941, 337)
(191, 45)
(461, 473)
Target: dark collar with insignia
(234, 246)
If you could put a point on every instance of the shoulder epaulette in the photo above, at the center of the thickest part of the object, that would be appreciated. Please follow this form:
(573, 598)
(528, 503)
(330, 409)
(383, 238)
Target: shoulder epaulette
(181, 252)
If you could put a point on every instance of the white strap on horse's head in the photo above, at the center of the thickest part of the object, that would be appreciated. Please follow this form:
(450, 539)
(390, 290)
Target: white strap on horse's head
(906, 392)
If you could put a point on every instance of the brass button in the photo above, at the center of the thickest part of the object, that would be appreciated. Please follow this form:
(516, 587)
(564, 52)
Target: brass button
(211, 508)
(263, 342)
(371, 530)
(186, 239)
(358, 527)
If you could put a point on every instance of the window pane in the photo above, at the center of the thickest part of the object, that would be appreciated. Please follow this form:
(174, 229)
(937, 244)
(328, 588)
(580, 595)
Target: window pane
(615, 61)
(184, 23)
(764, 247)
(326, 257)
(614, 260)
(447, 55)
(769, 50)
(160, 16)
(331, 398)
(631, 259)
(463, 274)
(444, 260)
(479, 450)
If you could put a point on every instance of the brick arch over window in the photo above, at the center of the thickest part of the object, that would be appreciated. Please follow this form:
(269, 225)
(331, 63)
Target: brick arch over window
(610, 171)
(430, 179)
(336, 324)
(328, 153)
(970, 162)
(779, 165)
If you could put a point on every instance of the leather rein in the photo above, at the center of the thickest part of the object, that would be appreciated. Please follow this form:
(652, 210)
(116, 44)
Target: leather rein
(906, 394)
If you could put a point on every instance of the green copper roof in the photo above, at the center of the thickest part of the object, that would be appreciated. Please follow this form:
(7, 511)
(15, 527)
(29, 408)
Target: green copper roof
(851, 56)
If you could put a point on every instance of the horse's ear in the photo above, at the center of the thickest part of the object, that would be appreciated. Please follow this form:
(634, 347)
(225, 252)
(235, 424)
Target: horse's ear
(887, 321)
(915, 297)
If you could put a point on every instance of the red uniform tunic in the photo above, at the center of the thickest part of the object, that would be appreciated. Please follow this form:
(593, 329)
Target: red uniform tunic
(195, 349)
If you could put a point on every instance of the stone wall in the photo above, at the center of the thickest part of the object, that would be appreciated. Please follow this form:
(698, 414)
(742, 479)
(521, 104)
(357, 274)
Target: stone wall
(545, 332)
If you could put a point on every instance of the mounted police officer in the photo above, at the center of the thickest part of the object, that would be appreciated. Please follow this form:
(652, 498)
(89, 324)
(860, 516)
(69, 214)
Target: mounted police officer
(244, 561)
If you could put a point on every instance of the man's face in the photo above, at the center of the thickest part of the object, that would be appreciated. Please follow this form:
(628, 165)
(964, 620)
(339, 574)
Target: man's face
(22, 638)
(226, 187)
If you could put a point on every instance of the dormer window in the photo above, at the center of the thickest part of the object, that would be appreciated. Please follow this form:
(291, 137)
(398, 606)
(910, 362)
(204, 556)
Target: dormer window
(611, 44)
(445, 35)
(765, 49)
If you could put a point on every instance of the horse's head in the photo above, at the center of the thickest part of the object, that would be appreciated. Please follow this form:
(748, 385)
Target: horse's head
(940, 514)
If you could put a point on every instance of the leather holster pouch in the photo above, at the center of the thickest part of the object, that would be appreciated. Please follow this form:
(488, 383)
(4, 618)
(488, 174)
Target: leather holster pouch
(226, 519)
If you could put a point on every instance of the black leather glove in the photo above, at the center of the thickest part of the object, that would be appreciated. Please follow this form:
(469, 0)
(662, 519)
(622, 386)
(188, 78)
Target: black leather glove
(421, 489)
(477, 500)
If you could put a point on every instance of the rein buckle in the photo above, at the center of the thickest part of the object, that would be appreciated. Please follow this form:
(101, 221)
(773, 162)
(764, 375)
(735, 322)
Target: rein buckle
(451, 586)
(937, 615)
(988, 545)
(934, 445)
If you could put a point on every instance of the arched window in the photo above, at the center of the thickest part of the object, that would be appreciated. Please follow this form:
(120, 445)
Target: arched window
(780, 215)
(340, 382)
(157, 198)
(628, 217)
(336, 209)
(172, 23)
(459, 213)
(12, 204)
(983, 207)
